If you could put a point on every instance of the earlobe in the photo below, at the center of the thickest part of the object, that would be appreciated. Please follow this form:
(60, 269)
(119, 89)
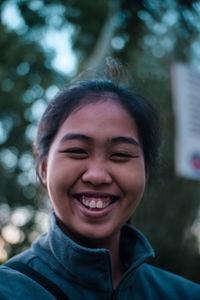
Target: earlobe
(42, 171)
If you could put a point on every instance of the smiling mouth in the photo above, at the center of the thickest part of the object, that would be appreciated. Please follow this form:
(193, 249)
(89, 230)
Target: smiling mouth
(94, 201)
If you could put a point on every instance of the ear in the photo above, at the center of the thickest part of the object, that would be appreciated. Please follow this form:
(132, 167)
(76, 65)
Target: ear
(42, 171)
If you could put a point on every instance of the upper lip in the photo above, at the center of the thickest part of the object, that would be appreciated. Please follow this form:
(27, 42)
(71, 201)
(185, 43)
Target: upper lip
(95, 194)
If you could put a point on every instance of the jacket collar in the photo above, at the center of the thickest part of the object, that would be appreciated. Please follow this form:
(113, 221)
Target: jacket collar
(91, 267)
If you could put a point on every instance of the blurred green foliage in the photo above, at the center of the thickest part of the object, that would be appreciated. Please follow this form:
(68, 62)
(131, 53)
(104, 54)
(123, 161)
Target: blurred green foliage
(146, 36)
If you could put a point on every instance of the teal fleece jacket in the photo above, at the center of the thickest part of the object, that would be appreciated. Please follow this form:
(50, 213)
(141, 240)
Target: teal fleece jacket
(84, 273)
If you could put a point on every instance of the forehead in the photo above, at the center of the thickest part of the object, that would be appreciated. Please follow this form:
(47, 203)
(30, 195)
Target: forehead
(98, 118)
(99, 105)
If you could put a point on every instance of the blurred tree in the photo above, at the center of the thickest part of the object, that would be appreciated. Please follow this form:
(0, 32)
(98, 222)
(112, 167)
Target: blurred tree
(146, 36)
(24, 75)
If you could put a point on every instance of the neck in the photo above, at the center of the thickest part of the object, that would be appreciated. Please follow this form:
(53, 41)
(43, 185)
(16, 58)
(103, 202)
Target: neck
(112, 244)
(118, 268)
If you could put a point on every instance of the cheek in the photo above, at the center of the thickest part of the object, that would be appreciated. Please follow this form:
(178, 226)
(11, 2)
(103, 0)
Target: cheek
(61, 176)
(132, 181)
(135, 186)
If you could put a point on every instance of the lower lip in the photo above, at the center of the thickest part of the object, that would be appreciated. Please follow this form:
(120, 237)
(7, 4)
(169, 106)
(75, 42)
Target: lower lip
(95, 213)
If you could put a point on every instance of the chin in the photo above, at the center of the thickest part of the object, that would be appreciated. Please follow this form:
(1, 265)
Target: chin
(97, 236)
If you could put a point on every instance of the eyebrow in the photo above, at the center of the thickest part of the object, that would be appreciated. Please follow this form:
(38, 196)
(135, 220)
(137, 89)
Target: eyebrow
(115, 140)
(76, 136)
(125, 139)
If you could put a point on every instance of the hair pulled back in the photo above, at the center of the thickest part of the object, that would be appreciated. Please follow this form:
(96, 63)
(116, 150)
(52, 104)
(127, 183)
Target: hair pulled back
(89, 91)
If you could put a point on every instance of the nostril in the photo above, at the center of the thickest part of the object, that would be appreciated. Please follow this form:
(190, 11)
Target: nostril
(97, 176)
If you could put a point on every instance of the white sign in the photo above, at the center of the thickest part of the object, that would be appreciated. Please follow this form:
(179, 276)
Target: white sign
(186, 94)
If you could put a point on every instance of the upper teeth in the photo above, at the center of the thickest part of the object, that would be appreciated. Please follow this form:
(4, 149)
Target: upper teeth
(95, 203)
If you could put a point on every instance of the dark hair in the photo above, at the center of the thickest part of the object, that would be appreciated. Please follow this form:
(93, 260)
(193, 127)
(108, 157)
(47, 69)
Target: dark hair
(84, 92)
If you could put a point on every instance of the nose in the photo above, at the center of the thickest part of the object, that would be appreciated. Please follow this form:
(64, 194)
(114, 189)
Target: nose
(96, 174)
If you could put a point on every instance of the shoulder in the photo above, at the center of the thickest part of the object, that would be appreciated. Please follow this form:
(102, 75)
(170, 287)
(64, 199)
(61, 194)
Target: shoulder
(15, 285)
(168, 283)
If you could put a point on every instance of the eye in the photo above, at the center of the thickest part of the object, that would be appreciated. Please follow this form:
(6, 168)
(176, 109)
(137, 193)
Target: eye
(76, 153)
(121, 156)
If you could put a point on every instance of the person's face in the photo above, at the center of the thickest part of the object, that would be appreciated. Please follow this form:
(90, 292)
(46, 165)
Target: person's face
(95, 171)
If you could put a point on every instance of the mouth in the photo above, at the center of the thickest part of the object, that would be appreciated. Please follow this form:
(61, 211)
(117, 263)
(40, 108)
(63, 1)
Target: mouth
(95, 201)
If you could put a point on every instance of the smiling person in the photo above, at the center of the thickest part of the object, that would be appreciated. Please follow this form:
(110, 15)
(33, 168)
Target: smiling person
(97, 145)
